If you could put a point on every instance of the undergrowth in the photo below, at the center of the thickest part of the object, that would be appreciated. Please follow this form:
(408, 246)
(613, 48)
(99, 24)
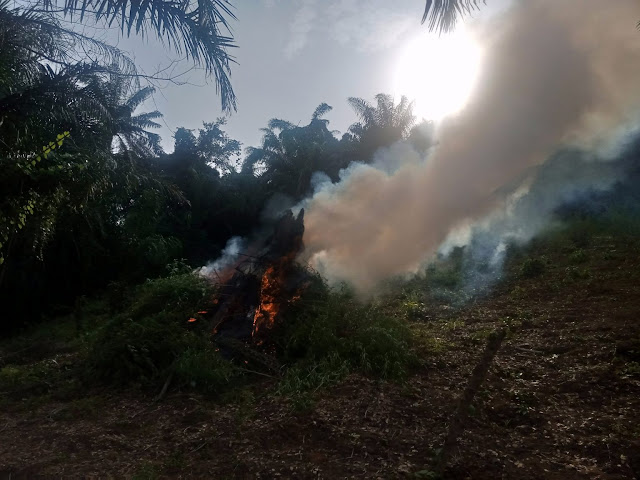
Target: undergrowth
(330, 334)
(150, 339)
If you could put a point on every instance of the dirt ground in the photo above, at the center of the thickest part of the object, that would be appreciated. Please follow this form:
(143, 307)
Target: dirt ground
(561, 400)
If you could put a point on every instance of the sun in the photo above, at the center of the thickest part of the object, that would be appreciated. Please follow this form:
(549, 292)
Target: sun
(438, 73)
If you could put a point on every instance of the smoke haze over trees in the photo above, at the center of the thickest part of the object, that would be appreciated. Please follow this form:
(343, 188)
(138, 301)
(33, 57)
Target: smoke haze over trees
(106, 204)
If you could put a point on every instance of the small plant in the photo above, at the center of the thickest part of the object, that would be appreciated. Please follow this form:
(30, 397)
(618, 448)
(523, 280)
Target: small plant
(412, 305)
(532, 267)
(579, 256)
(576, 273)
(204, 369)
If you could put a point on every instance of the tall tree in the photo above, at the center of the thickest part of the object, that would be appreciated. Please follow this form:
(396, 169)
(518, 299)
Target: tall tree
(379, 125)
(290, 155)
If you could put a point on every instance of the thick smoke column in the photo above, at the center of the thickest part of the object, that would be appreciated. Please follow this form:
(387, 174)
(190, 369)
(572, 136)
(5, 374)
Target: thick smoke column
(555, 72)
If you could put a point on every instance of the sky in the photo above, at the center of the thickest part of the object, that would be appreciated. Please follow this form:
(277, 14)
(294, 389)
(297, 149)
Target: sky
(291, 56)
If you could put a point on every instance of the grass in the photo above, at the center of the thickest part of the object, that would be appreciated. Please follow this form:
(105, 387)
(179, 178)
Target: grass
(427, 340)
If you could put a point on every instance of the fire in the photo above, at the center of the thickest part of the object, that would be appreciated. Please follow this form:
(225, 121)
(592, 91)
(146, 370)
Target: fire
(191, 320)
(203, 312)
(272, 297)
(269, 306)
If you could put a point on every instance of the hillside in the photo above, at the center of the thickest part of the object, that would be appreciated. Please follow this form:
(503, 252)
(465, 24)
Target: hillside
(561, 398)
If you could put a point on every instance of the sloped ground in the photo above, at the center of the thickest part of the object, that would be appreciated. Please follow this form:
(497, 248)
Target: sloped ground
(562, 399)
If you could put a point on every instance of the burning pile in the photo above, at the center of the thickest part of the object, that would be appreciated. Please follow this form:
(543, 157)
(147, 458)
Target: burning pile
(254, 292)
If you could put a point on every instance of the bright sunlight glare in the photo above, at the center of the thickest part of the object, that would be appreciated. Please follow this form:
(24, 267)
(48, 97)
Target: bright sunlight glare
(438, 73)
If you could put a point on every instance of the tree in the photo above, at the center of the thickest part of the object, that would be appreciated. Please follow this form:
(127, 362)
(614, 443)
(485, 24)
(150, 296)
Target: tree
(130, 130)
(290, 155)
(379, 125)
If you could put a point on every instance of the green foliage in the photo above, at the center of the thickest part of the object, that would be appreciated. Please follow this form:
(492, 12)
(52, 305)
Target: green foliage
(147, 340)
(532, 267)
(128, 351)
(329, 333)
(579, 256)
(202, 368)
(175, 297)
(577, 273)
(307, 376)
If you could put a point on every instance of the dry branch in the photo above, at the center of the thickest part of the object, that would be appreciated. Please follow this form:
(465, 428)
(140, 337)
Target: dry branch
(478, 375)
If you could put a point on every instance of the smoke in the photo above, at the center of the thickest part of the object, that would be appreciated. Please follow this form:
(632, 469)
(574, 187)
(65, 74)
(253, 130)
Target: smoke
(556, 72)
(569, 176)
(230, 255)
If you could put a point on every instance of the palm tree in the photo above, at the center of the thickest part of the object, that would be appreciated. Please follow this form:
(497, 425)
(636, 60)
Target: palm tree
(289, 154)
(442, 15)
(128, 130)
(379, 125)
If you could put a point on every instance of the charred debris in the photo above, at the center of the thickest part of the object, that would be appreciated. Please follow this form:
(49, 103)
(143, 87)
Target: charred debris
(252, 294)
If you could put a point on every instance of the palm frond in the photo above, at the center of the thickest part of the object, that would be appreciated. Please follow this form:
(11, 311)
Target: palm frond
(278, 124)
(192, 28)
(442, 15)
(145, 120)
(139, 97)
(321, 110)
(363, 109)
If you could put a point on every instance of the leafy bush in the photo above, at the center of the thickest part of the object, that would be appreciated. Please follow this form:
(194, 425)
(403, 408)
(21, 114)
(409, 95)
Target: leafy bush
(150, 337)
(444, 277)
(329, 331)
(575, 274)
(176, 296)
(532, 267)
(128, 350)
(579, 256)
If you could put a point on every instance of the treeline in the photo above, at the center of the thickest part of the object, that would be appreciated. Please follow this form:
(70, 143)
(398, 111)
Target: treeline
(90, 199)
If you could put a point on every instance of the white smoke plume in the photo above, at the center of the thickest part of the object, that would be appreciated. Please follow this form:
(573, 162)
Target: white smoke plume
(230, 255)
(555, 72)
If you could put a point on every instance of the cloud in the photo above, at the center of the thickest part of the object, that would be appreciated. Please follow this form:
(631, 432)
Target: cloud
(301, 27)
(365, 25)
(369, 25)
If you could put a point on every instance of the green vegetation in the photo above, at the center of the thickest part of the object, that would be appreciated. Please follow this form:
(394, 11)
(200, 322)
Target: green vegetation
(332, 331)
(532, 267)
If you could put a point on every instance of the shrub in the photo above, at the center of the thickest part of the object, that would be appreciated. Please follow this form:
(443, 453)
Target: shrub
(145, 340)
(579, 256)
(176, 296)
(575, 274)
(532, 267)
(443, 277)
(331, 329)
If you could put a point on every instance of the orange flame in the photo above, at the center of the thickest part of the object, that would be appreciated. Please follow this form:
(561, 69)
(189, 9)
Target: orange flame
(191, 320)
(202, 312)
(269, 306)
